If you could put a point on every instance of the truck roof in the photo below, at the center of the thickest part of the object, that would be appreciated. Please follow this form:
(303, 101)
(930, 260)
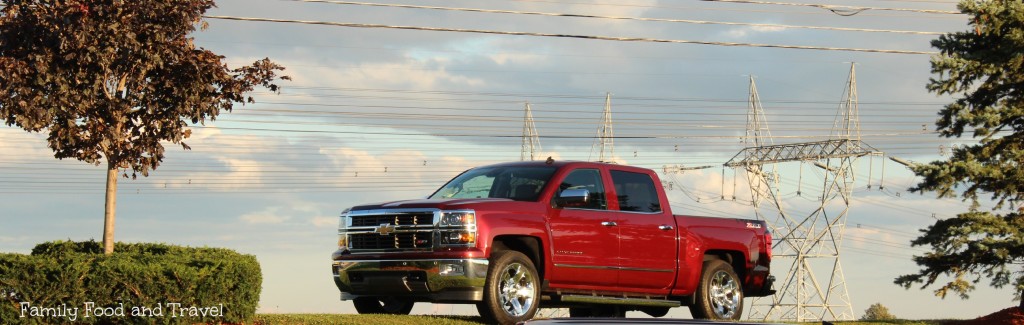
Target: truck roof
(571, 163)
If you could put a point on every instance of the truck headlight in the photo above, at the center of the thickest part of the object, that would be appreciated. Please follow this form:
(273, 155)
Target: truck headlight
(458, 218)
(457, 228)
(343, 242)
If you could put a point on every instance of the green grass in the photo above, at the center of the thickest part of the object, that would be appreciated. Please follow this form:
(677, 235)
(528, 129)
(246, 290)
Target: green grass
(332, 319)
(892, 322)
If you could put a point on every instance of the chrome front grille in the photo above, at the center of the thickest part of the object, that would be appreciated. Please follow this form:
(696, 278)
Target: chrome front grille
(389, 230)
(397, 219)
(400, 241)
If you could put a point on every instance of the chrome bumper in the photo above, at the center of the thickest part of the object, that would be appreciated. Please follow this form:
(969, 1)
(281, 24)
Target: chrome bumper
(444, 280)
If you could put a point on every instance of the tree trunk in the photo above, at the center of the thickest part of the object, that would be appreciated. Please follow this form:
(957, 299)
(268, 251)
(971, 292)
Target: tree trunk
(110, 208)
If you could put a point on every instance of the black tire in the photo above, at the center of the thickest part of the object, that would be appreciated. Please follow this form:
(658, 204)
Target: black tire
(655, 311)
(383, 305)
(719, 294)
(512, 290)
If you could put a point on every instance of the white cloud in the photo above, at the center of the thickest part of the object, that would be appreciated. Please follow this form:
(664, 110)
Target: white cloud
(17, 146)
(324, 222)
(406, 74)
(294, 209)
(242, 159)
(203, 134)
(350, 164)
(767, 29)
(743, 32)
(264, 217)
(599, 8)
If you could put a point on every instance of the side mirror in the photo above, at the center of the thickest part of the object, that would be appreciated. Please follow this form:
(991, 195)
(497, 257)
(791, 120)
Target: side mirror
(572, 198)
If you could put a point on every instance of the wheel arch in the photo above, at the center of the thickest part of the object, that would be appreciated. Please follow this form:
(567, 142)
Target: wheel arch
(528, 245)
(736, 259)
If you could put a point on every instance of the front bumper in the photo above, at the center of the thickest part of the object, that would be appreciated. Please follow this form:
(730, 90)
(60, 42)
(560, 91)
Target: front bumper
(435, 280)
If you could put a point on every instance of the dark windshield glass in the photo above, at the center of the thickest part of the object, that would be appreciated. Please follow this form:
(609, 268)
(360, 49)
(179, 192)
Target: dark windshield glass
(517, 183)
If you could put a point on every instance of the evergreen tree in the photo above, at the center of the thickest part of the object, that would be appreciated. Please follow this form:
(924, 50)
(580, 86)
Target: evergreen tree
(983, 69)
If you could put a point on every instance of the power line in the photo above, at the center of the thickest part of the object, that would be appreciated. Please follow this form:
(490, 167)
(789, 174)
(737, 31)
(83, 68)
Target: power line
(888, 114)
(580, 96)
(689, 56)
(693, 8)
(625, 98)
(876, 253)
(495, 124)
(852, 10)
(358, 67)
(464, 135)
(590, 37)
(705, 147)
(888, 230)
(551, 14)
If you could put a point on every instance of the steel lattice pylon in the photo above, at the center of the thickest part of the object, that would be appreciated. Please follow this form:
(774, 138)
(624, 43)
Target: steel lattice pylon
(814, 287)
(531, 141)
(604, 142)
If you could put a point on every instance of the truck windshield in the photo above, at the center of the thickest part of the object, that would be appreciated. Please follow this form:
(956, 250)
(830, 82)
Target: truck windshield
(517, 183)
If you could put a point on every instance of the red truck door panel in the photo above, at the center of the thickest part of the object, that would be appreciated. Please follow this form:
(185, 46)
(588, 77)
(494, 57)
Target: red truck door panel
(585, 247)
(647, 234)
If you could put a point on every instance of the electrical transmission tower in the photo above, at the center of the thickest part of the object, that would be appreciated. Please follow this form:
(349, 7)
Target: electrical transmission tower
(531, 141)
(605, 141)
(758, 135)
(814, 287)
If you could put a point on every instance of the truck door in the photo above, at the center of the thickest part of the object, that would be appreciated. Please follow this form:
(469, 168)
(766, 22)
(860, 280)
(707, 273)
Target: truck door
(647, 234)
(584, 238)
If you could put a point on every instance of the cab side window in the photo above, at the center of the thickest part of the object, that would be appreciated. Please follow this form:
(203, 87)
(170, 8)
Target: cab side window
(586, 179)
(636, 192)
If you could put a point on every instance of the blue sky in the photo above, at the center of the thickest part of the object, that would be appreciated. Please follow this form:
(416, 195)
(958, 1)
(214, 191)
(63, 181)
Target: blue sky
(379, 114)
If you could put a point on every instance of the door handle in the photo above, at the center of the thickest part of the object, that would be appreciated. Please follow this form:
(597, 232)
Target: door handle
(609, 223)
(666, 227)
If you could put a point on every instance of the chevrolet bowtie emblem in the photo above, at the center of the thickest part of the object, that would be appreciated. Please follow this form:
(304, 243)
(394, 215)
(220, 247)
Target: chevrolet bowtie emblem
(384, 229)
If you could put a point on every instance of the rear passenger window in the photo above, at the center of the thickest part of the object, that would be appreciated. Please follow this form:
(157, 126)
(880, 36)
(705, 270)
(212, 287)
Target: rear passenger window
(636, 192)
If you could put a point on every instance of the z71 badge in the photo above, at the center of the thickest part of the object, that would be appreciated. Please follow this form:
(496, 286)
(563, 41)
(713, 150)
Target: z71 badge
(753, 225)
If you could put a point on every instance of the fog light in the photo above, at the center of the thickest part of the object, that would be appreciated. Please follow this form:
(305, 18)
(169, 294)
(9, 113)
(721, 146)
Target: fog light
(452, 269)
(458, 238)
(454, 237)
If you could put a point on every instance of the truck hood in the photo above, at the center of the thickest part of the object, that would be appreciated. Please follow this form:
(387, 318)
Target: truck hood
(443, 204)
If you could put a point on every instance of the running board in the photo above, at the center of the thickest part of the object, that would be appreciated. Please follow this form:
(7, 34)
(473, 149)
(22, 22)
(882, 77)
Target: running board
(620, 301)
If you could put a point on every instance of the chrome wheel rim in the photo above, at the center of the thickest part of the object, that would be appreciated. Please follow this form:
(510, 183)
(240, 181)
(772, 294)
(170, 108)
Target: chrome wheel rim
(517, 291)
(725, 295)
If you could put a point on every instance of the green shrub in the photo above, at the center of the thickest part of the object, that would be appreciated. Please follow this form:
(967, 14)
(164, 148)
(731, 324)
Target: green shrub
(166, 279)
(877, 312)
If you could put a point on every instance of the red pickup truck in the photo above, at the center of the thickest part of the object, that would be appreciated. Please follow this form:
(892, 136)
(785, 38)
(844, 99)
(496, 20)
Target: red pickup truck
(599, 239)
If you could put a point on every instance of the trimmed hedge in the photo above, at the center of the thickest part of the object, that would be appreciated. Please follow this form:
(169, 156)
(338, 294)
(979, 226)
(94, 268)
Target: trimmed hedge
(139, 284)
